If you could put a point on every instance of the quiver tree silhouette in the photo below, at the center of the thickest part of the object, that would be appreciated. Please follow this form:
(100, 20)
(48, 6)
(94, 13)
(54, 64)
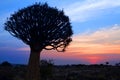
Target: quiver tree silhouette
(40, 27)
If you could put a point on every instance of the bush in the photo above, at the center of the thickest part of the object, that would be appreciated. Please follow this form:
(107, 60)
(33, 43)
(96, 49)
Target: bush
(6, 64)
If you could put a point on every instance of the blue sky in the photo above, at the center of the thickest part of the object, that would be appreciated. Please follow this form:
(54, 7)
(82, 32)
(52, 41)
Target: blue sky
(97, 20)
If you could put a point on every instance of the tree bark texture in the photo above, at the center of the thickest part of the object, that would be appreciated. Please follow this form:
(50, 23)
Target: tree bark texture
(33, 72)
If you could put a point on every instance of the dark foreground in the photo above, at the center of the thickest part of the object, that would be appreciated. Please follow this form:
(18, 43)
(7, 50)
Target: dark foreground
(67, 72)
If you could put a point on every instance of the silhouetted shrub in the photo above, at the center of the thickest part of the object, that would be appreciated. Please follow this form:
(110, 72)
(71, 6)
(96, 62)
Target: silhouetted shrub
(7, 64)
(46, 69)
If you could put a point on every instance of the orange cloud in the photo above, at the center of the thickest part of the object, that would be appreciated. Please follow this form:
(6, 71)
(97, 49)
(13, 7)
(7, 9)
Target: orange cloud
(24, 49)
(106, 40)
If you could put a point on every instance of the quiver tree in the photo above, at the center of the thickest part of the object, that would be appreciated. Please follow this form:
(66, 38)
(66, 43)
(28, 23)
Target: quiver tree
(40, 27)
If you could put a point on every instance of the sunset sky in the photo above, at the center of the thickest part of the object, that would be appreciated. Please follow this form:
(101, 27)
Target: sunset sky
(96, 27)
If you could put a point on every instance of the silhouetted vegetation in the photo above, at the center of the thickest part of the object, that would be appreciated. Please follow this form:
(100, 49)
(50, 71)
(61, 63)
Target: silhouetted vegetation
(46, 69)
(40, 27)
(66, 72)
(6, 64)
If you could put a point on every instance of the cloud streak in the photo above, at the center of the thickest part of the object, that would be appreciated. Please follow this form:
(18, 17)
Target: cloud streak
(102, 41)
(90, 9)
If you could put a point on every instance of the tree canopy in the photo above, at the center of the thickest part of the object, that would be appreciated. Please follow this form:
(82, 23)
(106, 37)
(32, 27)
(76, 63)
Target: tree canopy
(41, 26)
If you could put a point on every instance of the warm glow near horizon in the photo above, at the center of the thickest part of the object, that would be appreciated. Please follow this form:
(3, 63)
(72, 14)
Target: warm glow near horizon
(95, 49)
(105, 41)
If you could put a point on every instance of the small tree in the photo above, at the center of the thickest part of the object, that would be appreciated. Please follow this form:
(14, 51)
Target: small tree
(6, 64)
(40, 27)
(107, 63)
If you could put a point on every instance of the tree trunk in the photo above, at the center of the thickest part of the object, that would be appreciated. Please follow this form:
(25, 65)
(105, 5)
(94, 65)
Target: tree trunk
(33, 72)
